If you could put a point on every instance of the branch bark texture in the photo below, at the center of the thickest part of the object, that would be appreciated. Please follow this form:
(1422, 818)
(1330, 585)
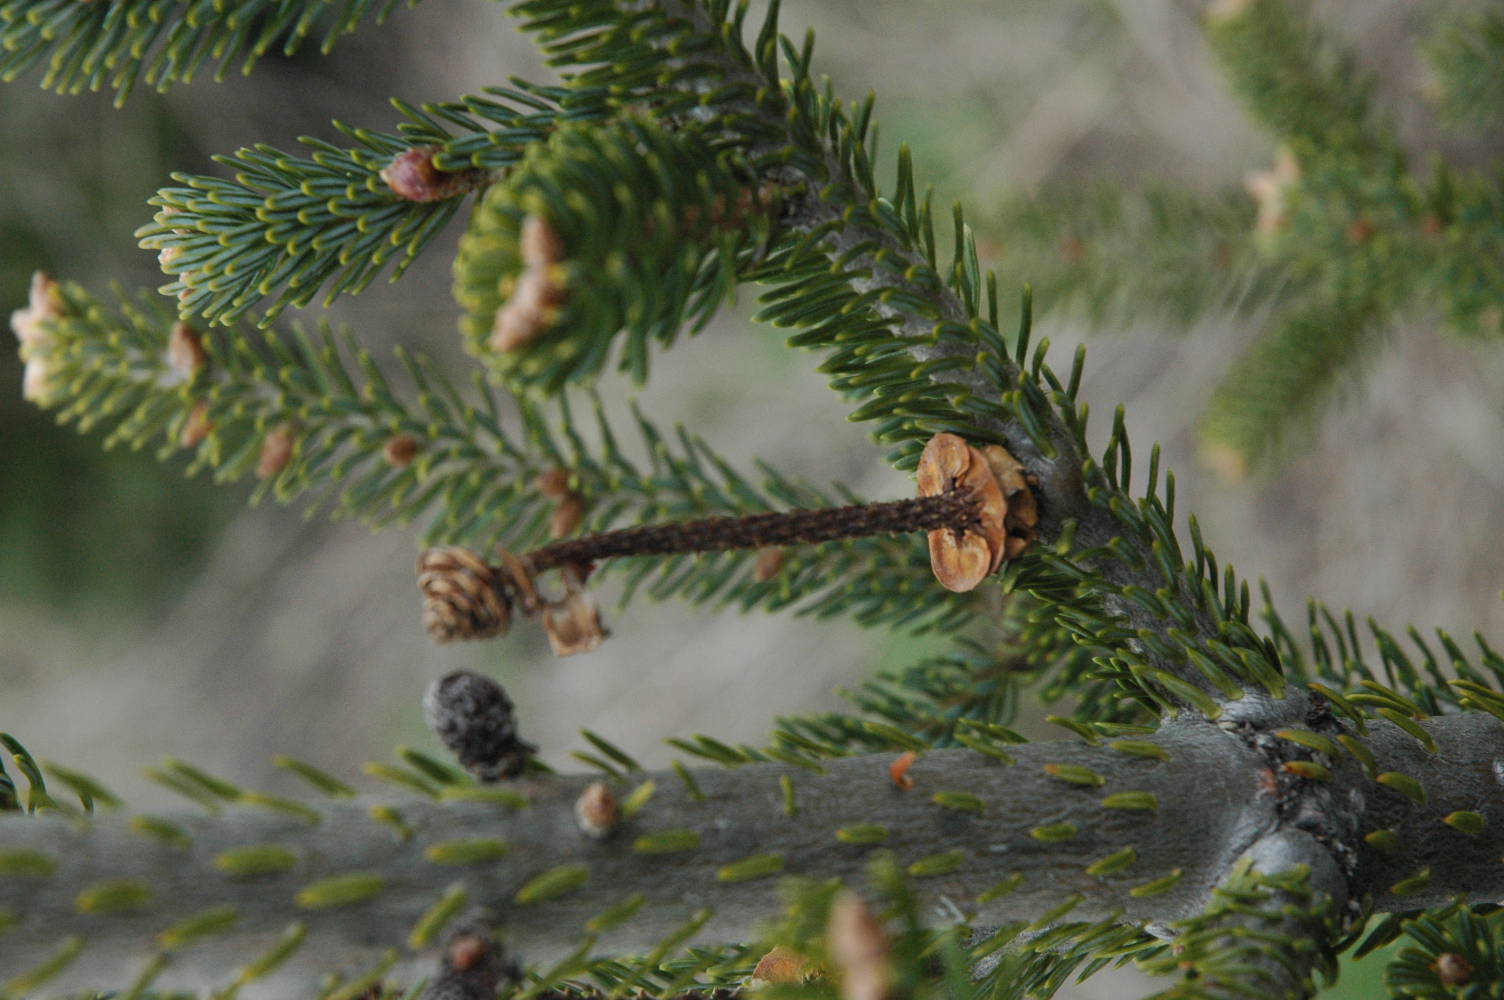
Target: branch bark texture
(1177, 818)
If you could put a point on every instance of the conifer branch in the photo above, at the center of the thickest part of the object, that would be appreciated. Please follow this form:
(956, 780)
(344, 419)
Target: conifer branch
(95, 45)
(1097, 833)
(285, 227)
(1113, 255)
(373, 449)
(1466, 52)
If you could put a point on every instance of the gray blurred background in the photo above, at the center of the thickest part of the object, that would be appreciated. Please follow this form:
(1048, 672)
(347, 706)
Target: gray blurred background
(143, 615)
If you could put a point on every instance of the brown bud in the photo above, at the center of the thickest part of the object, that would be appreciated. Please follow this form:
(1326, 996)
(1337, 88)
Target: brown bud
(1452, 969)
(596, 810)
(1361, 231)
(463, 597)
(276, 450)
(781, 965)
(769, 562)
(859, 949)
(400, 450)
(413, 176)
(567, 516)
(961, 559)
(553, 483)
(185, 350)
(197, 426)
(541, 244)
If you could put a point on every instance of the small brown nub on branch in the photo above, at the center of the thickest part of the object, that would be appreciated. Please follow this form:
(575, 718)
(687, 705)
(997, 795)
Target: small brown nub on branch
(472, 716)
(276, 450)
(1452, 969)
(197, 426)
(596, 810)
(472, 967)
(412, 176)
(769, 562)
(553, 483)
(463, 597)
(567, 516)
(185, 350)
(400, 450)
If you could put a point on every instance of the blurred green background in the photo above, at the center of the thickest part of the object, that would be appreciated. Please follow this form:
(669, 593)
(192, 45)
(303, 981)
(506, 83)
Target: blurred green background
(143, 614)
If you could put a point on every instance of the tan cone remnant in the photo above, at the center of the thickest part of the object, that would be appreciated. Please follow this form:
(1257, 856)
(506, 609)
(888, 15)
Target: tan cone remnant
(1008, 514)
(462, 595)
(573, 624)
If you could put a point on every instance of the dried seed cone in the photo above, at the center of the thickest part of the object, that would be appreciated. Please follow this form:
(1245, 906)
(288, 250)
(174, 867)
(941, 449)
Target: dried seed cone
(472, 716)
(463, 598)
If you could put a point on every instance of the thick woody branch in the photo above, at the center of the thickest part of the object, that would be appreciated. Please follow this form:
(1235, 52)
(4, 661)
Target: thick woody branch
(1142, 831)
(969, 824)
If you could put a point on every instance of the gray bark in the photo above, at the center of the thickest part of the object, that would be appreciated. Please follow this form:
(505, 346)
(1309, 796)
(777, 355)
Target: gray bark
(1219, 798)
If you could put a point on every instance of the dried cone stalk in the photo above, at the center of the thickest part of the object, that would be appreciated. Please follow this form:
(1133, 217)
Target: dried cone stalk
(859, 949)
(961, 559)
(463, 597)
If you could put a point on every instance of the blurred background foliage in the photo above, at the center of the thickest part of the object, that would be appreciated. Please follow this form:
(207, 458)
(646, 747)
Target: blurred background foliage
(142, 614)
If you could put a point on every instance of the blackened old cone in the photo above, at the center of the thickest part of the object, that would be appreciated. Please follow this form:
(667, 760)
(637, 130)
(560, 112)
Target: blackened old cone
(463, 598)
(472, 716)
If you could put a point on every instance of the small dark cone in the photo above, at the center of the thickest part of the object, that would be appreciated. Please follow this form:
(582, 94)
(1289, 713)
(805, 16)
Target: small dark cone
(463, 598)
(472, 715)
